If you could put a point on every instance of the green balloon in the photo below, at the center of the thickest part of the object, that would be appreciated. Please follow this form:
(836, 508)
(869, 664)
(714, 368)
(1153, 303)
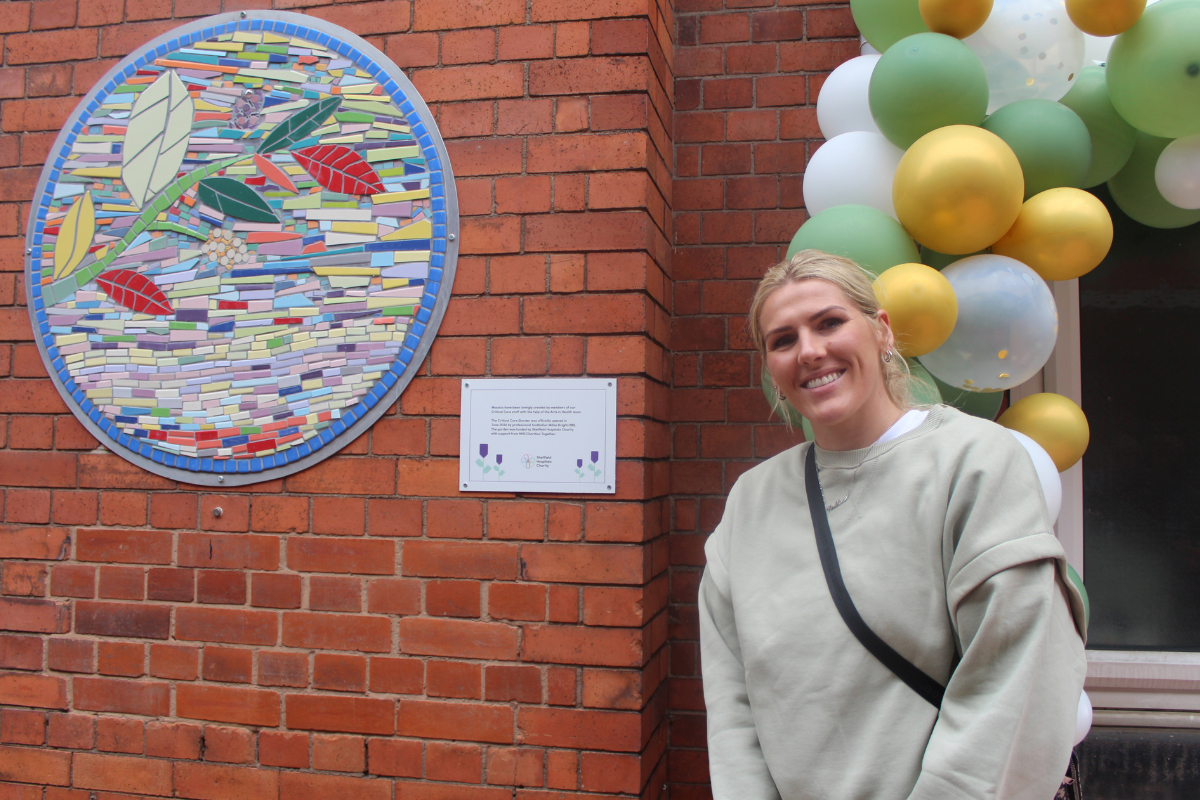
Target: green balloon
(885, 22)
(924, 82)
(1112, 137)
(922, 384)
(985, 405)
(1049, 139)
(866, 235)
(939, 261)
(1154, 70)
(1136, 193)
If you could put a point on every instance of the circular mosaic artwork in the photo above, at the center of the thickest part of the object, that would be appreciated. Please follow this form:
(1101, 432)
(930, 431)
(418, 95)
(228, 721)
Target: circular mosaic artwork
(241, 247)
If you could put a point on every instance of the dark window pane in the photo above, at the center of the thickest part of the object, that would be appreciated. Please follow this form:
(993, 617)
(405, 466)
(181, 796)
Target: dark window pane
(1140, 341)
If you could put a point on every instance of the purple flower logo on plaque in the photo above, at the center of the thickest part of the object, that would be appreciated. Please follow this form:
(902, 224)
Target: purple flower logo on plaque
(241, 247)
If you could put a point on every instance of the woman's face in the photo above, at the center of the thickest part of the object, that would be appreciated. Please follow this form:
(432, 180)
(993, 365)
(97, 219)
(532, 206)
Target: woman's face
(824, 355)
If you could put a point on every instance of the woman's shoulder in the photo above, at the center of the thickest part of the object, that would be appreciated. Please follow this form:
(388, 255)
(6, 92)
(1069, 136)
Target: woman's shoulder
(961, 431)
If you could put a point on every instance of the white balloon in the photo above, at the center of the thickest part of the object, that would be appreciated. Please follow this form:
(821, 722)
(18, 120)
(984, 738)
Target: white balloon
(855, 167)
(842, 104)
(1083, 718)
(1177, 172)
(1047, 474)
(1029, 48)
(865, 48)
(1006, 329)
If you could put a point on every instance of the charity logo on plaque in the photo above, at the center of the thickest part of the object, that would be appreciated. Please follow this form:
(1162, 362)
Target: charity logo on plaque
(241, 247)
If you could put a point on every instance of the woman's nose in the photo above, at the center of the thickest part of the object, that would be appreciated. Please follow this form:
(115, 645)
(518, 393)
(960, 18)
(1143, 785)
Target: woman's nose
(809, 349)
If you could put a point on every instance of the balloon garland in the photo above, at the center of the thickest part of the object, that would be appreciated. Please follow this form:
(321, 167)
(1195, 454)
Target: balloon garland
(965, 141)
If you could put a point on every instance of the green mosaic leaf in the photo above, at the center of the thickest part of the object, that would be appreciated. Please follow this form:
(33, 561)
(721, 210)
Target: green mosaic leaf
(299, 125)
(235, 199)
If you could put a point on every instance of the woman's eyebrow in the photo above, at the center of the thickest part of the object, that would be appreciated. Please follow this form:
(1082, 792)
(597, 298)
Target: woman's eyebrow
(814, 316)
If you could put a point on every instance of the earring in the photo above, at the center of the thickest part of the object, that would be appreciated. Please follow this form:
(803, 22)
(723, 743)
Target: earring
(775, 388)
(887, 355)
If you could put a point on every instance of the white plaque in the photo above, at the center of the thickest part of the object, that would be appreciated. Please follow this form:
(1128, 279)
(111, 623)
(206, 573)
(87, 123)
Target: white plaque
(538, 435)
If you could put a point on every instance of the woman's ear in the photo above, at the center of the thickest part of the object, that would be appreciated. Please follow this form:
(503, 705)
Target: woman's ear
(887, 338)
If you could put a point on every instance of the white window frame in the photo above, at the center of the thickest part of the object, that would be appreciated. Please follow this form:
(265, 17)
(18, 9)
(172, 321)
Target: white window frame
(1137, 688)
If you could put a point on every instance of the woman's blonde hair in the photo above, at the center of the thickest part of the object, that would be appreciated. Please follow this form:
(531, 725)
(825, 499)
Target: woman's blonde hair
(855, 283)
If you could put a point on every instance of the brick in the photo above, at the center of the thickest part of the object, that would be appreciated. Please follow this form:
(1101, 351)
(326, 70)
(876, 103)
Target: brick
(177, 585)
(107, 471)
(147, 698)
(35, 48)
(43, 544)
(177, 662)
(227, 704)
(228, 745)
(453, 679)
(272, 590)
(122, 508)
(173, 740)
(397, 675)
(310, 785)
(69, 655)
(339, 753)
(23, 652)
(212, 782)
(35, 616)
(458, 638)
(340, 714)
(122, 583)
(452, 598)
(562, 767)
(14, 17)
(28, 580)
(339, 673)
(395, 758)
(218, 551)
(461, 763)
(588, 152)
(343, 516)
(485, 81)
(517, 601)
(504, 684)
(470, 722)
(615, 689)
(467, 14)
(334, 594)
(283, 669)
(524, 116)
(469, 46)
(589, 75)
(614, 647)
(336, 632)
(121, 774)
(479, 560)
(229, 626)
(593, 313)
(127, 659)
(280, 749)
(581, 729)
(116, 735)
(73, 731)
(592, 563)
(173, 510)
(485, 156)
(394, 596)
(126, 547)
(346, 475)
(22, 727)
(76, 508)
(384, 16)
(282, 514)
(828, 22)
(413, 49)
(228, 664)
(41, 767)
(454, 519)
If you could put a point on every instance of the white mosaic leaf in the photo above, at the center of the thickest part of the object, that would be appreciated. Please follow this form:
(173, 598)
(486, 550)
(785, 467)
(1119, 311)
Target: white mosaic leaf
(157, 138)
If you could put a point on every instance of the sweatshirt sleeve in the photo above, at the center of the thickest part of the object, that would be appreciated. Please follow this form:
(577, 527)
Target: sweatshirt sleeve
(1006, 722)
(736, 765)
(1007, 719)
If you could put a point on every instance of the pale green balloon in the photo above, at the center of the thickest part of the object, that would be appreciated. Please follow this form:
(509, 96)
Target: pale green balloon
(1112, 137)
(924, 82)
(1136, 193)
(866, 235)
(1154, 70)
(885, 22)
(1050, 140)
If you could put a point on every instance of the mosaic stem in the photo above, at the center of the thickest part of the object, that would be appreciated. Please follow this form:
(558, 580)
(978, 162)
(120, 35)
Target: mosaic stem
(67, 286)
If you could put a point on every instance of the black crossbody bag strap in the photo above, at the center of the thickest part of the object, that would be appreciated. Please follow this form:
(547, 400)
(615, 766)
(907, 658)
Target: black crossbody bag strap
(904, 669)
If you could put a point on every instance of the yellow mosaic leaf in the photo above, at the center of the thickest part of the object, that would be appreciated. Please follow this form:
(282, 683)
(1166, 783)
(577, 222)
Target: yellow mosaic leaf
(74, 236)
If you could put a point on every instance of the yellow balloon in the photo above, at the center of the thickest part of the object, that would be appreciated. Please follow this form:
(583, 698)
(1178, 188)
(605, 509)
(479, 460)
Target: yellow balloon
(958, 189)
(957, 18)
(1054, 422)
(1060, 233)
(1105, 17)
(921, 307)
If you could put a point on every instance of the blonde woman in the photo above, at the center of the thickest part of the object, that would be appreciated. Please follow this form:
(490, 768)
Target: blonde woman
(945, 550)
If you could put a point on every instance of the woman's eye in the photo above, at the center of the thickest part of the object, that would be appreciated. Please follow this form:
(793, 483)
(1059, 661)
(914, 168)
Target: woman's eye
(829, 323)
(779, 342)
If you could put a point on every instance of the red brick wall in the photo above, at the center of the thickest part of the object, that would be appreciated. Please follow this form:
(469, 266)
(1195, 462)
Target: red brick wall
(361, 629)
(747, 76)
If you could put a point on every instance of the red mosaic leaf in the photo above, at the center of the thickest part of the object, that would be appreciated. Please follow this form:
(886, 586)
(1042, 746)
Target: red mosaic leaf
(339, 169)
(135, 291)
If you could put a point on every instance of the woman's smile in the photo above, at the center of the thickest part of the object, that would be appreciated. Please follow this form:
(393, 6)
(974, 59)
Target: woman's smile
(824, 380)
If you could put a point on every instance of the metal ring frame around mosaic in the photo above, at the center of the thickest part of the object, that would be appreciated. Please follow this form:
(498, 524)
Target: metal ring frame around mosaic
(356, 419)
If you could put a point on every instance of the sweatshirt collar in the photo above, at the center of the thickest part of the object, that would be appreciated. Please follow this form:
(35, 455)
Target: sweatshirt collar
(852, 458)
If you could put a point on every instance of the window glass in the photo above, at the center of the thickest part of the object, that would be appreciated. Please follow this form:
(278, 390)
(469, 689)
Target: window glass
(1140, 347)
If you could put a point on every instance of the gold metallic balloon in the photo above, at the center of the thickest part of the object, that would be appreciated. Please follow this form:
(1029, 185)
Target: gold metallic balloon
(921, 307)
(958, 189)
(1060, 233)
(1054, 422)
(957, 18)
(1105, 17)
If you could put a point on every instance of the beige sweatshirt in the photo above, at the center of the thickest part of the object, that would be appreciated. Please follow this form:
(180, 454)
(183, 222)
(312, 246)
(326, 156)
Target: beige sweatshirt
(946, 549)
